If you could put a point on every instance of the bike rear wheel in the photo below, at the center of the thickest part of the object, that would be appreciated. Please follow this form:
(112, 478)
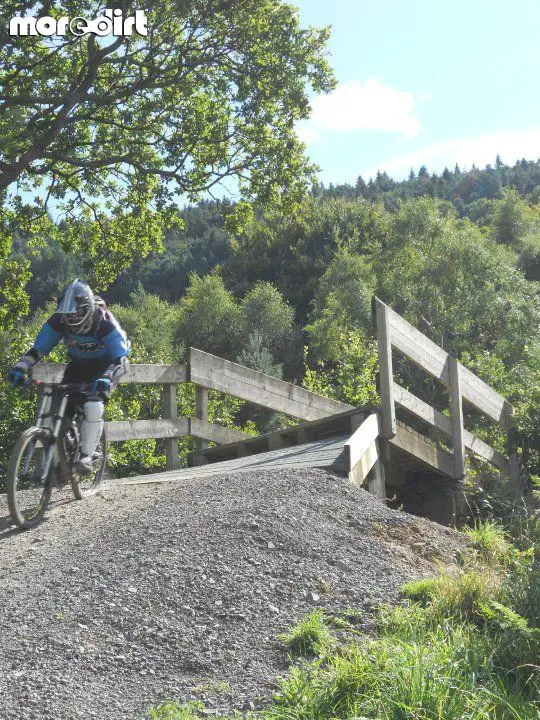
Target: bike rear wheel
(85, 485)
(30, 477)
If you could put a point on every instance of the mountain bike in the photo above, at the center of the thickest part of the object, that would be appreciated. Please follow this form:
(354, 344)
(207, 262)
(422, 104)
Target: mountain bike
(44, 456)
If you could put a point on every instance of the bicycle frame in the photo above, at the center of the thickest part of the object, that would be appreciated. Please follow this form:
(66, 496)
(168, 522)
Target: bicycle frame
(50, 414)
(45, 410)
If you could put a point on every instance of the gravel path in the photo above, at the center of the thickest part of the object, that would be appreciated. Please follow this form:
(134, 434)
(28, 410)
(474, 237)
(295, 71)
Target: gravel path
(157, 592)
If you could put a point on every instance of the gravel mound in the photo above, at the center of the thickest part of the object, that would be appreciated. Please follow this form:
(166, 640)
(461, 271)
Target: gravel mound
(158, 592)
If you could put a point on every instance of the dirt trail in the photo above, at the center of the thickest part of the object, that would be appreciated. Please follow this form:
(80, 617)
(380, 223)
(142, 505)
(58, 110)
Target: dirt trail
(156, 592)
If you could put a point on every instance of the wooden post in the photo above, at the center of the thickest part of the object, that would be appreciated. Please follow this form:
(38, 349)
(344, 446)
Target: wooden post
(512, 444)
(376, 479)
(386, 378)
(201, 412)
(171, 411)
(456, 411)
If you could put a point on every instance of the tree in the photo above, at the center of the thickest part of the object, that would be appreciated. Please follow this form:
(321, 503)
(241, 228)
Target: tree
(150, 323)
(463, 289)
(268, 316)
(342, 302)
(361, 188)
(510, 219)
(107, 129)
(293, 251)
(212, 91)
(210, 318)
(256, 356)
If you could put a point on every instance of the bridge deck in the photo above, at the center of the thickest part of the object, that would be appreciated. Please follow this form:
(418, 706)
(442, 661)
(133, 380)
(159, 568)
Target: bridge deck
(327, 453)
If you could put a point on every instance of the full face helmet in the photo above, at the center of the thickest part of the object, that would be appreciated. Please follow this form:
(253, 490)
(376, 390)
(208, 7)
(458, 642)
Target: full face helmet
(77, 304)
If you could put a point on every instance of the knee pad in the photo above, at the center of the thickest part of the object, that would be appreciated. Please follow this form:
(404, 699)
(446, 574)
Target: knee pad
(91, 426)
(93, 411)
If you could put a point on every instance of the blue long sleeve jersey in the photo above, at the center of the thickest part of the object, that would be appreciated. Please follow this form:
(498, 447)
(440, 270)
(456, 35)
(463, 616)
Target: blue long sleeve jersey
(107, 340)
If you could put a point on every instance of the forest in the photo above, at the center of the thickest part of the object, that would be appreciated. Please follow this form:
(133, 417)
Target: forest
(290, 295)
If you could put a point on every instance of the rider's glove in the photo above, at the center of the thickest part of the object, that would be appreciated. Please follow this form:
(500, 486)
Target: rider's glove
(102, 387)
(17, 375)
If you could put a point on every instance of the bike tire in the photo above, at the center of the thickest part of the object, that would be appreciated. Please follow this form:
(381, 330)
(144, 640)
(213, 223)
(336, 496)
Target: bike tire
(83, 489)
(20, 518)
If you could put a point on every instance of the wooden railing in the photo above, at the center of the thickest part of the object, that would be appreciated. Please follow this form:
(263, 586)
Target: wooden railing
(395, 333)
(207, 372)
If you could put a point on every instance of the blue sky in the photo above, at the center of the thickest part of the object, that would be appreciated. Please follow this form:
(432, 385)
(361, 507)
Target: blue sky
(425, 82)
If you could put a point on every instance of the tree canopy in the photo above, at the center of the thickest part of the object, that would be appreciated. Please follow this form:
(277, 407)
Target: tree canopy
(110, 131)
(213, 91)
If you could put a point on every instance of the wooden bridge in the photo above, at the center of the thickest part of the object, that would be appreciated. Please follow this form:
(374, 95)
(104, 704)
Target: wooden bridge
(387, 448)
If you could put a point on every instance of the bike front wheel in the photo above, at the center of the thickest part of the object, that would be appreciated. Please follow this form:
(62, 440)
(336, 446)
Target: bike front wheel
(30, 477)
(85, 485)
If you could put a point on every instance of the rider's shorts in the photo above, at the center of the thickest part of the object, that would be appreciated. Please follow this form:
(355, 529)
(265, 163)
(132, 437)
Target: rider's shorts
(83, 371)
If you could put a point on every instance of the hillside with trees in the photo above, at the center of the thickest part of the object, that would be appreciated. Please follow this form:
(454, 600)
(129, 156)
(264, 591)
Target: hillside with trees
(291, 294)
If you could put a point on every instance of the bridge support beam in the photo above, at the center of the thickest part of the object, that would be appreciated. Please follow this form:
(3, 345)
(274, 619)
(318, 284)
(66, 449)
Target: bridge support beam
(376, 480)
(364, 457)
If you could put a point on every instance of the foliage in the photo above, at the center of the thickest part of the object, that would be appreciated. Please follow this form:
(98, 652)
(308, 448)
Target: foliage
(209, 317)
(267, 313)
(313, 273)
(351, 377)
(108, 134)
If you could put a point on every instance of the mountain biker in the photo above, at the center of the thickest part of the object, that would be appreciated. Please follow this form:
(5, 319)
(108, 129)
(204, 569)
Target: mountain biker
(98, 348)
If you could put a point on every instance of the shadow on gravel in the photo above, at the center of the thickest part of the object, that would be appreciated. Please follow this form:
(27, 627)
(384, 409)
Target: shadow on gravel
(8, 528)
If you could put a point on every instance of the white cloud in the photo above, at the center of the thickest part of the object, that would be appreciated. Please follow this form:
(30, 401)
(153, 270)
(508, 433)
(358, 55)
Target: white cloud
(308, 134)
(480, 150)
(372, 106)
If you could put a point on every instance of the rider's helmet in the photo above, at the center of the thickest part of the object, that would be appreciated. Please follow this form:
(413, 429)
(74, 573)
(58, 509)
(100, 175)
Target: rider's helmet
(77, 305)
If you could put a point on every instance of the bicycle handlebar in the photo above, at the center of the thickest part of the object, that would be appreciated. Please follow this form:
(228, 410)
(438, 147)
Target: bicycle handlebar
(61, 387)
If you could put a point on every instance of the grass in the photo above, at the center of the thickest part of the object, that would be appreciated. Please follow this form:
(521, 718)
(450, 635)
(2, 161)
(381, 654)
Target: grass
(214, 687)
(489, 543)
(173, 711)
(308, 637)
(461, 646)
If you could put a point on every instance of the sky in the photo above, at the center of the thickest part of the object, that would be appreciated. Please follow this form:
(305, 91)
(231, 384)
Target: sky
(433, 82)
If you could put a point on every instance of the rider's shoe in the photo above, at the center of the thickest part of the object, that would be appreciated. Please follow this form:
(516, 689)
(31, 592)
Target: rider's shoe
(84, 465)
